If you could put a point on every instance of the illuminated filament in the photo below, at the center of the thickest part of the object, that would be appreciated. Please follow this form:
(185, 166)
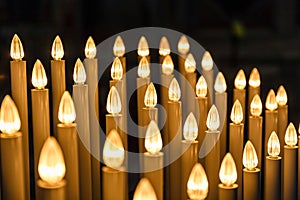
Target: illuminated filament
(240, 80)
(16, 48)
(220, 83)
(79, 75)
(213, 119)
(9, 116)
(250, 159)
(273, 145)
(144, 191)
(197, 185)
(183, 45)
(164, 47)
(190, 128)
(291, 136)
(144, 68)
(66, 110)
(174, 90)
(256, 106)
(190, 63)
(90, 48)
(119, 47)
(236, 115)
(167, 67)
(254, 79)
(153, 141)
(281, 96)
(271, 103)
(201, 87)
(57, 51)
(116, 69)
(143, 48)
(113, 104)
(228, 173)
(207, 62)
(39, 78)
(150, 99)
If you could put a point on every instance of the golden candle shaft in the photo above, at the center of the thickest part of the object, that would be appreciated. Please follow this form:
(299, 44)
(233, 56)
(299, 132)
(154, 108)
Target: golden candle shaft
(251, 93)
(181, 61)
(271, 121)
(282, 124)
(202, 109)
(147, 57)
(241, 96)
(46, 192)
(251, 184)
(67, 138)
(161, 59)
(113, 184)
(142, 84)
(115, 122)
(148, 114)
(209, 77)
(123, 61)
(255, 136)
(188, 95)
(290, 167)
(272, 179)
(228, 193)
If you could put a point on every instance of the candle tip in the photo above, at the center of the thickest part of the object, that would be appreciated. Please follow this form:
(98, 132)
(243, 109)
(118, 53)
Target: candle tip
(119, 47)
(220, 83)
(66, 110)
(254, 79)
(281, 96)
(144, 191)
(273, 145)
(167, 67)
(207, 62)
(213, 119)
(250, 160)
(228, 173)
(143, 48)
(39, 78)
(201, 87)
(57, 51)
(144, 68)
(16, 48)
(174, 90)
(197, 185)
(183, 45)
(150, 98)
(240, 80)
(236, 115)
(153, 141)
(90, 48)
(271, 103)
(9, 116)
(190, 128)
(190, 63)
(164, 47)
(79, 75)
(113, 104)
(256, 106)
(291, 136)
(116, 69)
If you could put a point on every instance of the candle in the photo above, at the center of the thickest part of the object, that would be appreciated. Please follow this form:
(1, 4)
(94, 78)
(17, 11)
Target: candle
(239, 92)
(197, 185)
(251, 174)
(164, 48)
(12, 173)
(255, 127)
(254, 86)
(67, 138)
(81, 103)
(228, 190)
(154, 159)
(236, 141)
(51, 169)
(119, 51)
(282, 99)
(40, 111)
(183, 48)
(189, 151)
(272, 185)
(58, 78)
(290, 163)
(144, 190)
(143, 49)
(18, 82)
(221, 104)
(113, 175)
(207, 64)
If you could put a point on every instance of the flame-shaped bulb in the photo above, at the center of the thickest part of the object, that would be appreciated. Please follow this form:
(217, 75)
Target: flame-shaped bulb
(271, 103)
(144, 68)
(190, 63)
(113, 104)
(164, 47)
(281, 96)
(66, 110)
(273, 145)
(153, 141)
(291, 136)
(79, 75)
(197, 185)
(116, 69)
(39, 78)
(240, 80)
(250, 160)
(150, 99)
(144, 191)
(167, 67)
(183, 45)
(143, 48)
(190, 128)
(16, 48)
(220, 83)
(90, 48)
(57, 51)
(201, 87)
(228, 173)
(174, 90)
(207, 62)
(254, 79)
(256, 106)
(119, 47)
(9, 116)
(236, 115)
(213, 119)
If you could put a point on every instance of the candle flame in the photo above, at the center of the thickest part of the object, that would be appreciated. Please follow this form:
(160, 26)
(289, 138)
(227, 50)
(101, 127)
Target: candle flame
(16, 48)
(201, 87)
(190, 128)
(39, 78)
(228, 174)
(254, 79)
(291, 136)
(119, 47)
(240, 80)
(143, 48)
(9, 116)
(197, 185)
(213, 119)
(207, 62)
(90, 48)
(273, 145)
(271, 103)
(79, 75)
(150, 99)
(190, 63)
(57, 49)
(153, 141)
(236, 115)
(113, 104)
(174, 90)
(183, 45)
(281, 96)
(164, 47)
(51, 167)
(144, 191)
(116, 69)
(256, 106)
(144, 68)
(66, 110)
(220, 84)
(250, 160)
(167, 65)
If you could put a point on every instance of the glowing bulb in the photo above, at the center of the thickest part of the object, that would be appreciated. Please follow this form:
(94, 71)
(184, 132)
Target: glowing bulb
(254, 79)
(51, 165)
(174, 90)
(113, 150)
(144, 68)
(291, 136)
(236, 115)
(16, 48)
(201, 87)
(143, 48)
(90, 48)
(250, 159)
(9, 116)
(240, 80)
(66, 110)
(167, 65)
(190, 128)
(197, 185)
(190, 63)
(164, 47)
(79, 75)
(57, 49)
(119, 47)
(256, 106)
(228, 174)
(150, 99)
(271, 103)
(273, 145)
(220, 84)
(183, 45)
(39, 78)
(207, 62)
(213, 119)
(113, 104)
(153, 141)
(281, 96)
(116, 69)
(144, 191)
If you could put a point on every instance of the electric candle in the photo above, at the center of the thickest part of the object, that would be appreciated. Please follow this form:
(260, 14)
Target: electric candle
(207, 65)
(143, 49)
(164, 48)
(254, 86)
(144, 191)
(197, 185)
(282, 99)
(183, 48)
(119, 51)
(239, 92)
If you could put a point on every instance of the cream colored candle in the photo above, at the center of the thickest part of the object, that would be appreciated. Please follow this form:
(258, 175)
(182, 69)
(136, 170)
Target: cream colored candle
(197, 185)
(144, 190)
(282, 99)
(11, 147)
(52, 170)
(164, 48)
(143, 49)
(183, 48)
(18, 82)
(207, 64)
(239, 92)
(254, 86)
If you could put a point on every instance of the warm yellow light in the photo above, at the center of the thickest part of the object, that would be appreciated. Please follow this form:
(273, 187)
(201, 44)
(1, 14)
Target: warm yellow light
(167, 67)
(113, 150)
(213, 119)
(271, 103)
(144, 68)
(256, 106)
(113, 104)
(90, 48)
(39, 78)
(197, 185)
(183, 45)
(273, 145)
(236, 115)
(153, 141)
(207, 62)
(119, 47)
(291, 136)
(190, 63)
(116, 71)
(254, 79)
(228, 174)
(190, 128)
(201, 87)
(9, 116)
(281, 96)
(79, 75)
(240, 80)
(164, 47)
(220, 83)
(250, 159)
(174, 90)
(144, 191)
(143, 48)
(57, 49)
(66, 110)
(150, 98)
(51, 167)
(16, 48)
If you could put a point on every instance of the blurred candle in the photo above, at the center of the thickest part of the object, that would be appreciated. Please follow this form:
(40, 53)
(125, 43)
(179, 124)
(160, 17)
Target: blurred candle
(144, 191)
(119, 51)
(282, 99)
(164, 48)
(239, 92)
(254, 86)
(207, 64)
(197, 185)
(183, 48)
(143, 49)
